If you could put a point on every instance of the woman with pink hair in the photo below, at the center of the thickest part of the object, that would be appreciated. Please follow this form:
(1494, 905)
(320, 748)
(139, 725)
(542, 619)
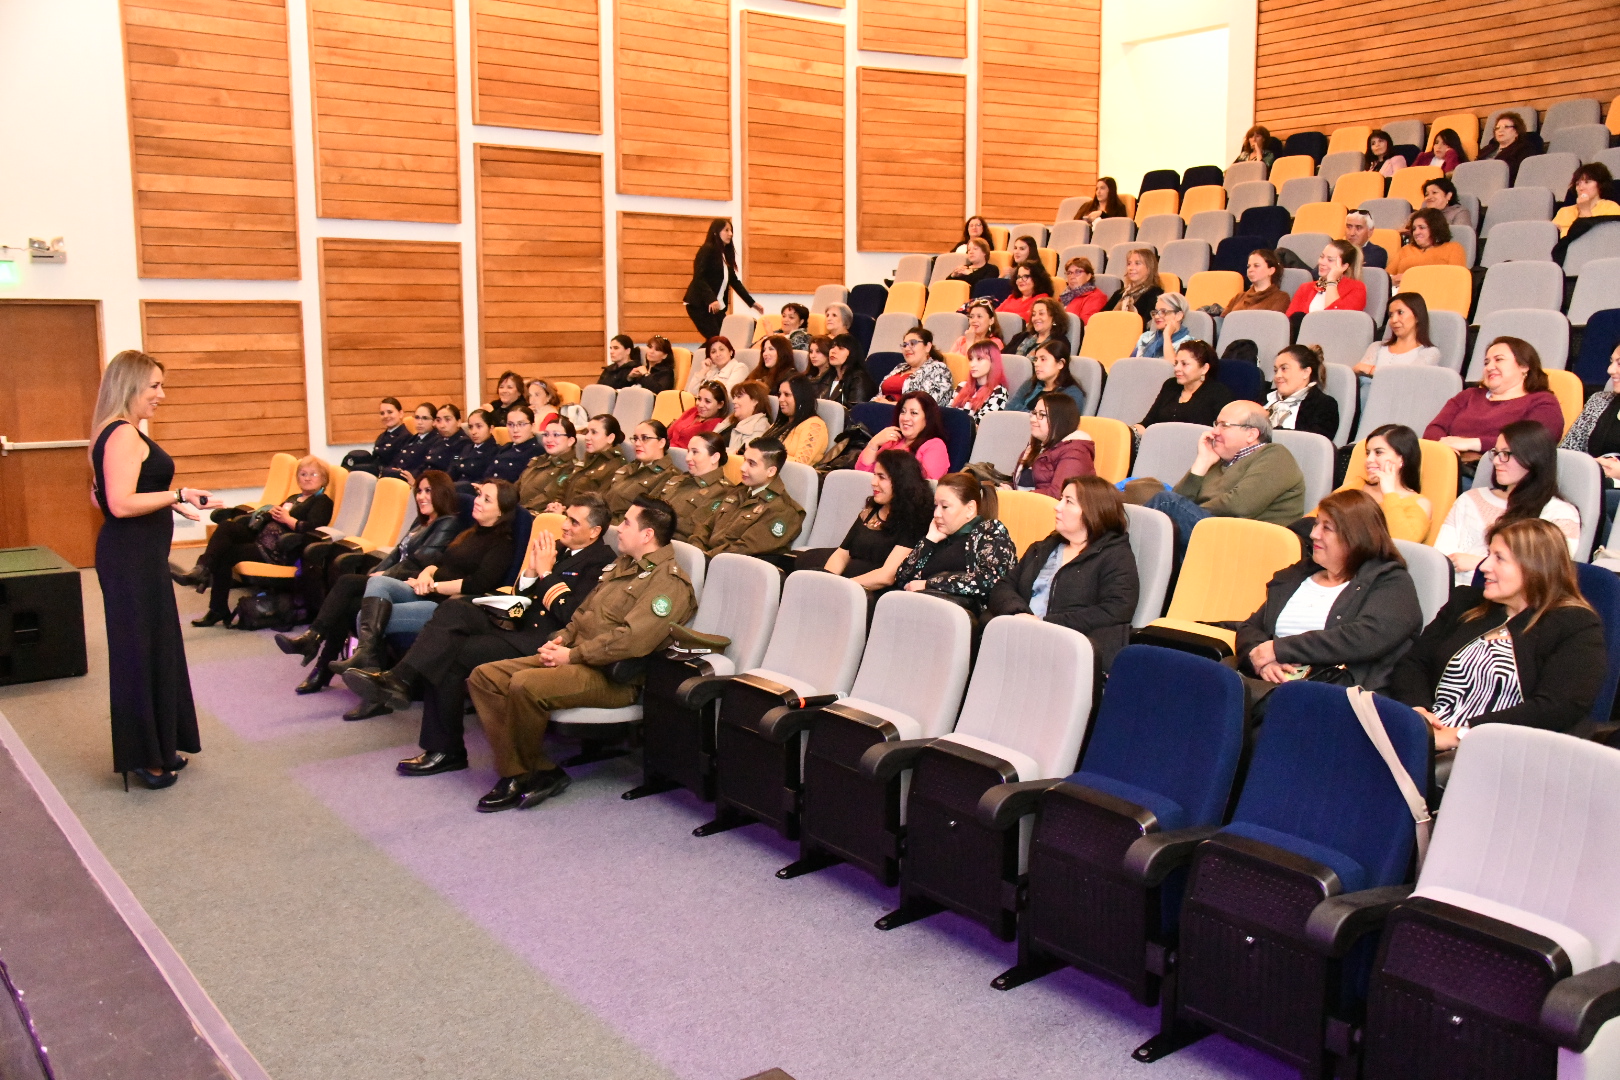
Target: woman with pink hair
(984, 391)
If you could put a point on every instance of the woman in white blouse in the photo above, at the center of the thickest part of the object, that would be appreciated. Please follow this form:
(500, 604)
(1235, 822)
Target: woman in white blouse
(1525, 485)
(719, 363)
(1408, 341)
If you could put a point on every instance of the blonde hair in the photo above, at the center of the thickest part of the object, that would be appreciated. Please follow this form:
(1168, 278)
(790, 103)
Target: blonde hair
(321, 467)
(126, 376)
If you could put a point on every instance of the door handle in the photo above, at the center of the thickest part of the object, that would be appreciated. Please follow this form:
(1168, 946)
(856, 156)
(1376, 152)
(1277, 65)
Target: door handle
(6, 445)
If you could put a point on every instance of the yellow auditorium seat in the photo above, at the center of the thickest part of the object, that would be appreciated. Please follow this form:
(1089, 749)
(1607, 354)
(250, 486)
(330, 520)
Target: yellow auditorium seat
(1443, 288)
(1110, 336)
(1408, 182)
(389, 505)
(958, 365)
(1321, 217)
(552, 523)
(683, 362)
(1169, 282)
(1437, 479)
(1202, 198)
(998, 238)
(1214, 287)
(1355, 188)
(1049, 259)
(1388, 239)
(252, 571)
(1566, 386)
(1291, 168)
(733, 469)
(1224, 575)
(1002, 261)
(670, 404)
(1614, 116)
(907, 297)
(1028, 515)
(1352, 137)
(1112, 449)
(568, 393)
(1130, 205)
(766, 326)
(818, 324)
(946, 296)
(1466, 125)
(502, 436)
(1163, 201)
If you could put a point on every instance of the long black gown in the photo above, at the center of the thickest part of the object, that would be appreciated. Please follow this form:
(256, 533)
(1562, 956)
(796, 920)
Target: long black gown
(149, 688)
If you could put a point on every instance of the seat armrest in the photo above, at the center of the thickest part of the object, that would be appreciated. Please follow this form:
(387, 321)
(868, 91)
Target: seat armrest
(885, 761)
(1152, 858)
(330, 532)
(1327, 879)
(785, 721)
(1605, 734)
(1009, 774)
(700, 689)
(1578, 1006)
(1002, 806)
(1338, 922)
(352, 543)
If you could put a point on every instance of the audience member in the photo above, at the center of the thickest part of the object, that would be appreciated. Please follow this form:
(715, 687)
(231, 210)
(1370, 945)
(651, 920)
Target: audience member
(1338, 284)
(1512, 144)
(796, 325)
(656, 370)
(393, 437)
(750, 415)
(544, 400)
(984, 391)
(1441, 194)
(923, 370)
(758, 516)
(451, 441)
(1358, 229)
(1408, 342)
(978, 266)
(708, 412)
(1263, 293)
(508, 392)
(850, 383)
(966, 552)
(1192, 394)
(1597, 432)
(1256, 147)
(1141, 288)
(1514, 388)
(603, 438)
(718, 363)
(803, 434)
(840, 320)
(1431, 245)
(1047, 322)
(648, 473)
(1031, 282)
(776, 365)
(1298, 401)
(1445, 150)
(1165, 332)
(892, 522)
(1381, 156)
(1105, 202)
(510, 460)
(1589, 182)
(545, 479)
(1057, 450)
(1051, 376)
(479, 452)
(919, 430)
(1393, 478)
(982, 326)
(1023, 249)
(1082, 298)
(1524, 484)
(699, 496)
(411, 457)
(624, 357)
(975, 228)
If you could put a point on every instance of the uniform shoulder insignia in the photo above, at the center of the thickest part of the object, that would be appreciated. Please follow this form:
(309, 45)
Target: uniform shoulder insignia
(657, 468)
(718, 503)
(777, 528)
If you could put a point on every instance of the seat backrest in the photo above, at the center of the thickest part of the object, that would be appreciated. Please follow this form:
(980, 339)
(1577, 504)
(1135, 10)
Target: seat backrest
(1294, 279)
(1481, 179)
(1341, 385)
(1203, 197)
(1466, 126)
(943, 265)
(1086, 371)
(1069, 207)
(1167, 451)
(280, 480)
(1097, 255)
(670, 404)
(1227, 565)
(1551, 171)
(1001, 438)
(1242, 172)
(1598, 342)
(1378, 292)
(1408, 182)
(390, 500)
(802, 486)
(1601, 587)
(1411, 130)
(843, 494)
(1320, 217)
(1242, 377)
(1597, 289)
(1580, 480)
(1111, 446)
(1599, 243)
(1132, 385)
(1293, 167)
(1106, 232)
(1268, 330)
(1197, 176)
(1184, 258)
(945, 297)
(632, 406)
(946, 326)
(912, 268)
(1232, 254)
(1317, 777)
(1201, 325)
(1028, 515)
(999, 237)
(1018, 369)
(740, 599)
(1265, 222)
(958, 434)
(916, 659)
(1152, 538)
(1527, 241)
(1158, 201)
(1431, 574)
(1582, 141)
(1010, 324)
(358, 490)
(1409, 394)
(1211, 226)
(1487, 130)
(891, 330)
(1066, 234)
(1338, 164)
(1447, 288)
(1315, 455)
(825, 295)
(694, 563)
(1548, 331)
(868, 298)
(1030, 692)
(907, 296)
(522, 529)
(1160, 229)
(1034, 230)
(1307, 245)
(1110, 336)
(1252, 194)
(1213, 287)
(1313, 143)
(821, 640)
(1449, 332)
(1343, 335)
(1352, 137)
(1571, 112)
(1390, 213)
(1536, 286)
(1171, 723)
(1354, 188)
(597, 399)
(1522, 203)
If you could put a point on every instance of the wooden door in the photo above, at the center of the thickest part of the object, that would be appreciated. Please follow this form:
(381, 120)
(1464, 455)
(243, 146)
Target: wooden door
(50, 370)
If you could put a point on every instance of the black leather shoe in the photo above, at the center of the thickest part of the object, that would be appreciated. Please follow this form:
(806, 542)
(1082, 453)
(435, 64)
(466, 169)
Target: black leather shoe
(541, 786)
(197, 575)
(211, 618)
(306, 644)
(317, 680)
(378, 688)
(505, 795)
(364, 711)
(153, 780)
(429, 764)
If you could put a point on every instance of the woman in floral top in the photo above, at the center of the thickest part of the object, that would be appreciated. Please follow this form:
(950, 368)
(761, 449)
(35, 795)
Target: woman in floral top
(966, 551)
(924, 370)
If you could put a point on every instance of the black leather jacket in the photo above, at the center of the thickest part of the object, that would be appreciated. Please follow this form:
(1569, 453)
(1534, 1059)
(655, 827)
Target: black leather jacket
(421, 548)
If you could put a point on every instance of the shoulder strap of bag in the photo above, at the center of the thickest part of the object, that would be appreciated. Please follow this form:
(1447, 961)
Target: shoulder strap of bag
(1361, 702)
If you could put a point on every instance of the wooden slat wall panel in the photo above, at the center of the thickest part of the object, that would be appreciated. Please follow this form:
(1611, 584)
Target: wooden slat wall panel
(914, 27)
(384, 75)
(536, 64)
(390, 326)
(655, 266)
(234, 382)
(793, 153)
(210, 138)
(542, 279)
(910, 159)
(1318, 67)
(1036, 145)
(672, 77)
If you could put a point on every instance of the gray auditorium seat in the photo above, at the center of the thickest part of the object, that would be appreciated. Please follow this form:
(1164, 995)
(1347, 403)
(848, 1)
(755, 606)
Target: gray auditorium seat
(1535, 285)
(1002, 436)
(1547, 330)
(1132, 385)
(1152, 539)
(1522, 241)
(1314, 454)
(1167, 451)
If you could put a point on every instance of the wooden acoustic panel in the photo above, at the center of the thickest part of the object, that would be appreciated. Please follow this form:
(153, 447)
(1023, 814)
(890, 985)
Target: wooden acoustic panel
(537, 64)
(210, 126)
(914, 27)
(384, 83)
(1037, 144)
(542, 277)
(234, 384)
(655, 266)
(793, 153)
(672, 96)
(910, 159)
(1318, 66)
(390, 327)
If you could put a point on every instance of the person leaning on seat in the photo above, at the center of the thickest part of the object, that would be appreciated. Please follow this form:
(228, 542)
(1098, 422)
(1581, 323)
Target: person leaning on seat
(758, 516)
(626, 617)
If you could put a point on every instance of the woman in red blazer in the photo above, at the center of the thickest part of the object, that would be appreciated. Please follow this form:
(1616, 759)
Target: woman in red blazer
(1337, 286)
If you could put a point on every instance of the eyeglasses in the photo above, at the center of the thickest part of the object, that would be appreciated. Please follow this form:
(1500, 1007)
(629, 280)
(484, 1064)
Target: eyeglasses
(1220, 424)
(517, 423)
(1041, 414)
(910, 343)
(1164, 313)
(645, 438)
(1500, 455)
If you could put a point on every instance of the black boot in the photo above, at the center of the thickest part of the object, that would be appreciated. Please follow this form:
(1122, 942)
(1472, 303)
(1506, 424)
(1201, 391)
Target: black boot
(306, 644)
(379, 688)
(369, 653)
(319, 676)
(198, 576)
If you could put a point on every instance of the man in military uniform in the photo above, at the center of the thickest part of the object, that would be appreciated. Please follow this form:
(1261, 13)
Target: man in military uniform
(650, 473)
(628, 615)
(545, 479)
(603, 437)
(758, 517)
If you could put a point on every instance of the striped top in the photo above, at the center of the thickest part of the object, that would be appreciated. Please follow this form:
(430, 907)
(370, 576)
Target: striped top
(1483, 677)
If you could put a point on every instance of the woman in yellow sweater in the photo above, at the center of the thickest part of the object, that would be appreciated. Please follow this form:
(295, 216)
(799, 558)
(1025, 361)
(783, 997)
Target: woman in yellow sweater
(803, 433)
(1393, 476)
(1589, 181)
(1431, 245)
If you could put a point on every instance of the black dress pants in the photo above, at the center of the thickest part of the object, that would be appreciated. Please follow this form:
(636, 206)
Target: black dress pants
(708, 322)
(232, 542)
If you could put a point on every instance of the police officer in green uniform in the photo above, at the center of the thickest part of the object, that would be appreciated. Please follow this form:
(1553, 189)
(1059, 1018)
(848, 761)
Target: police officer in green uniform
(651, 472)
(545, 479)
(697, 495)
(603, 438)
(758, 517)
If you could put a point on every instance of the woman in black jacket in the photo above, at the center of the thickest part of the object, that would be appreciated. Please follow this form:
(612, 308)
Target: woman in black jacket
(1345, 615)
(847, 381)
(714, 277)
(1525, 649)
(1083, 576)
(1298, 401)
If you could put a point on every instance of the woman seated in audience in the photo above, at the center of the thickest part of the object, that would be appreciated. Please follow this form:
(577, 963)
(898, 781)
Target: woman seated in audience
(1338, 284)
(974, 228)
(848, 383)
(649, 470)
(1263, 293)
(984, 391)
(978, 266)
(776, 365)
(1023, 249)
(1083, 576)
(840, 320)
(276, 536)
(508, 392)
(1381, 156)
(604, 439)
(624, 357)
(981, 327)
(1514, 388)
(656, 369)
(1105, 202)
(451, 441)
(707, 413)
(410, 460)
(1164, 331)
(1525, 649)
(1524, 485)
(1589, 182)
(1031, 282)
(1298, 400)
(1408, 342)
(923, 369)
(544, 400)
(1051, 376)
(1141, 289)
(966, 552)
(750, 415)
(545, 480)
(1057, 450)
(919, 430)
(1441, 194)
(1597, 432)
(888, 527)
(1512, 144)
(435, 527)
(1345, 614)
(514, 457)
(1431, 245)
(718, 363)
(1047, 322)
(1255, 142)
(803, 433)
(1393, 477)
(796, 325)
(1445, 150)
(1192, 394)
(697, 498)
(1082, 298)
(479, 454)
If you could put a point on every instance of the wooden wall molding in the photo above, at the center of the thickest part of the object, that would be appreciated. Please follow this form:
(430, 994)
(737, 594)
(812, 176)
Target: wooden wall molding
(914, 27)
(910, 159)
(655, 266)
(537, 64)
(672, 97)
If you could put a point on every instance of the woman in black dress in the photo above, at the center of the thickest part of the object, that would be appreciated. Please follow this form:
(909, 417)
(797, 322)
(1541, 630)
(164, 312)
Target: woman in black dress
(714, 276)
(149, 688)
(891, 523)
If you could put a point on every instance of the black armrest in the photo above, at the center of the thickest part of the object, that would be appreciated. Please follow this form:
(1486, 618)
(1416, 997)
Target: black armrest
(1605, 734)
(1009, 775)
(1577, 1006)
(1151, 859)
(885, 761)
(350, 543)
(785, 721)
(1188, 641)
(845, 711)
(699, 690)
(1326, 877)
(1002, 806)
(1340, 921)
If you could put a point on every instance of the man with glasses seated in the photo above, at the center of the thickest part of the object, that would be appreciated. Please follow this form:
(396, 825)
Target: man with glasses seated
(545, 480)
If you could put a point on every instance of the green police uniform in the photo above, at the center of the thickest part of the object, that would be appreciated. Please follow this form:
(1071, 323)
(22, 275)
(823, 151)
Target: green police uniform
(752, 522)
(545, 480)
(595, 473)
(696, 499)
(637, 478)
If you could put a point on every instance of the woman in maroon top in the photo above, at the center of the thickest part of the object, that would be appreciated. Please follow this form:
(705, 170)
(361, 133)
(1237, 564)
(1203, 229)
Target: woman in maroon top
(1515, 388)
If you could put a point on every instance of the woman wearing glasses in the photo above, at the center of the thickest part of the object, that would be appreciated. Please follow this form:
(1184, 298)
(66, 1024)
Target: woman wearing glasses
(1058, 450)
(545, 479)
(1165, 331)
(1031, 282)
(648, 474)
(924, 370)
(1514, 387)
(514, 457)
(1524, 486)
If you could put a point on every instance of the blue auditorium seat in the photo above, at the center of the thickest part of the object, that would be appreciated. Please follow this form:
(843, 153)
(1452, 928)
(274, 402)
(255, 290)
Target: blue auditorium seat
(1159, 180)
(1202, 176)
(1601, 588)
(1233, 253)
(1314, 143)
(868, 299)
(1601, 335)
(996, 288)
(1269, 223)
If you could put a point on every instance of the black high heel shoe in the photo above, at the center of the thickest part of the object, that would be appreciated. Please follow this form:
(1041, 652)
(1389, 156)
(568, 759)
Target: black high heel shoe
(152, 781)
(178, 763)
(210, 618)
(305, 645)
